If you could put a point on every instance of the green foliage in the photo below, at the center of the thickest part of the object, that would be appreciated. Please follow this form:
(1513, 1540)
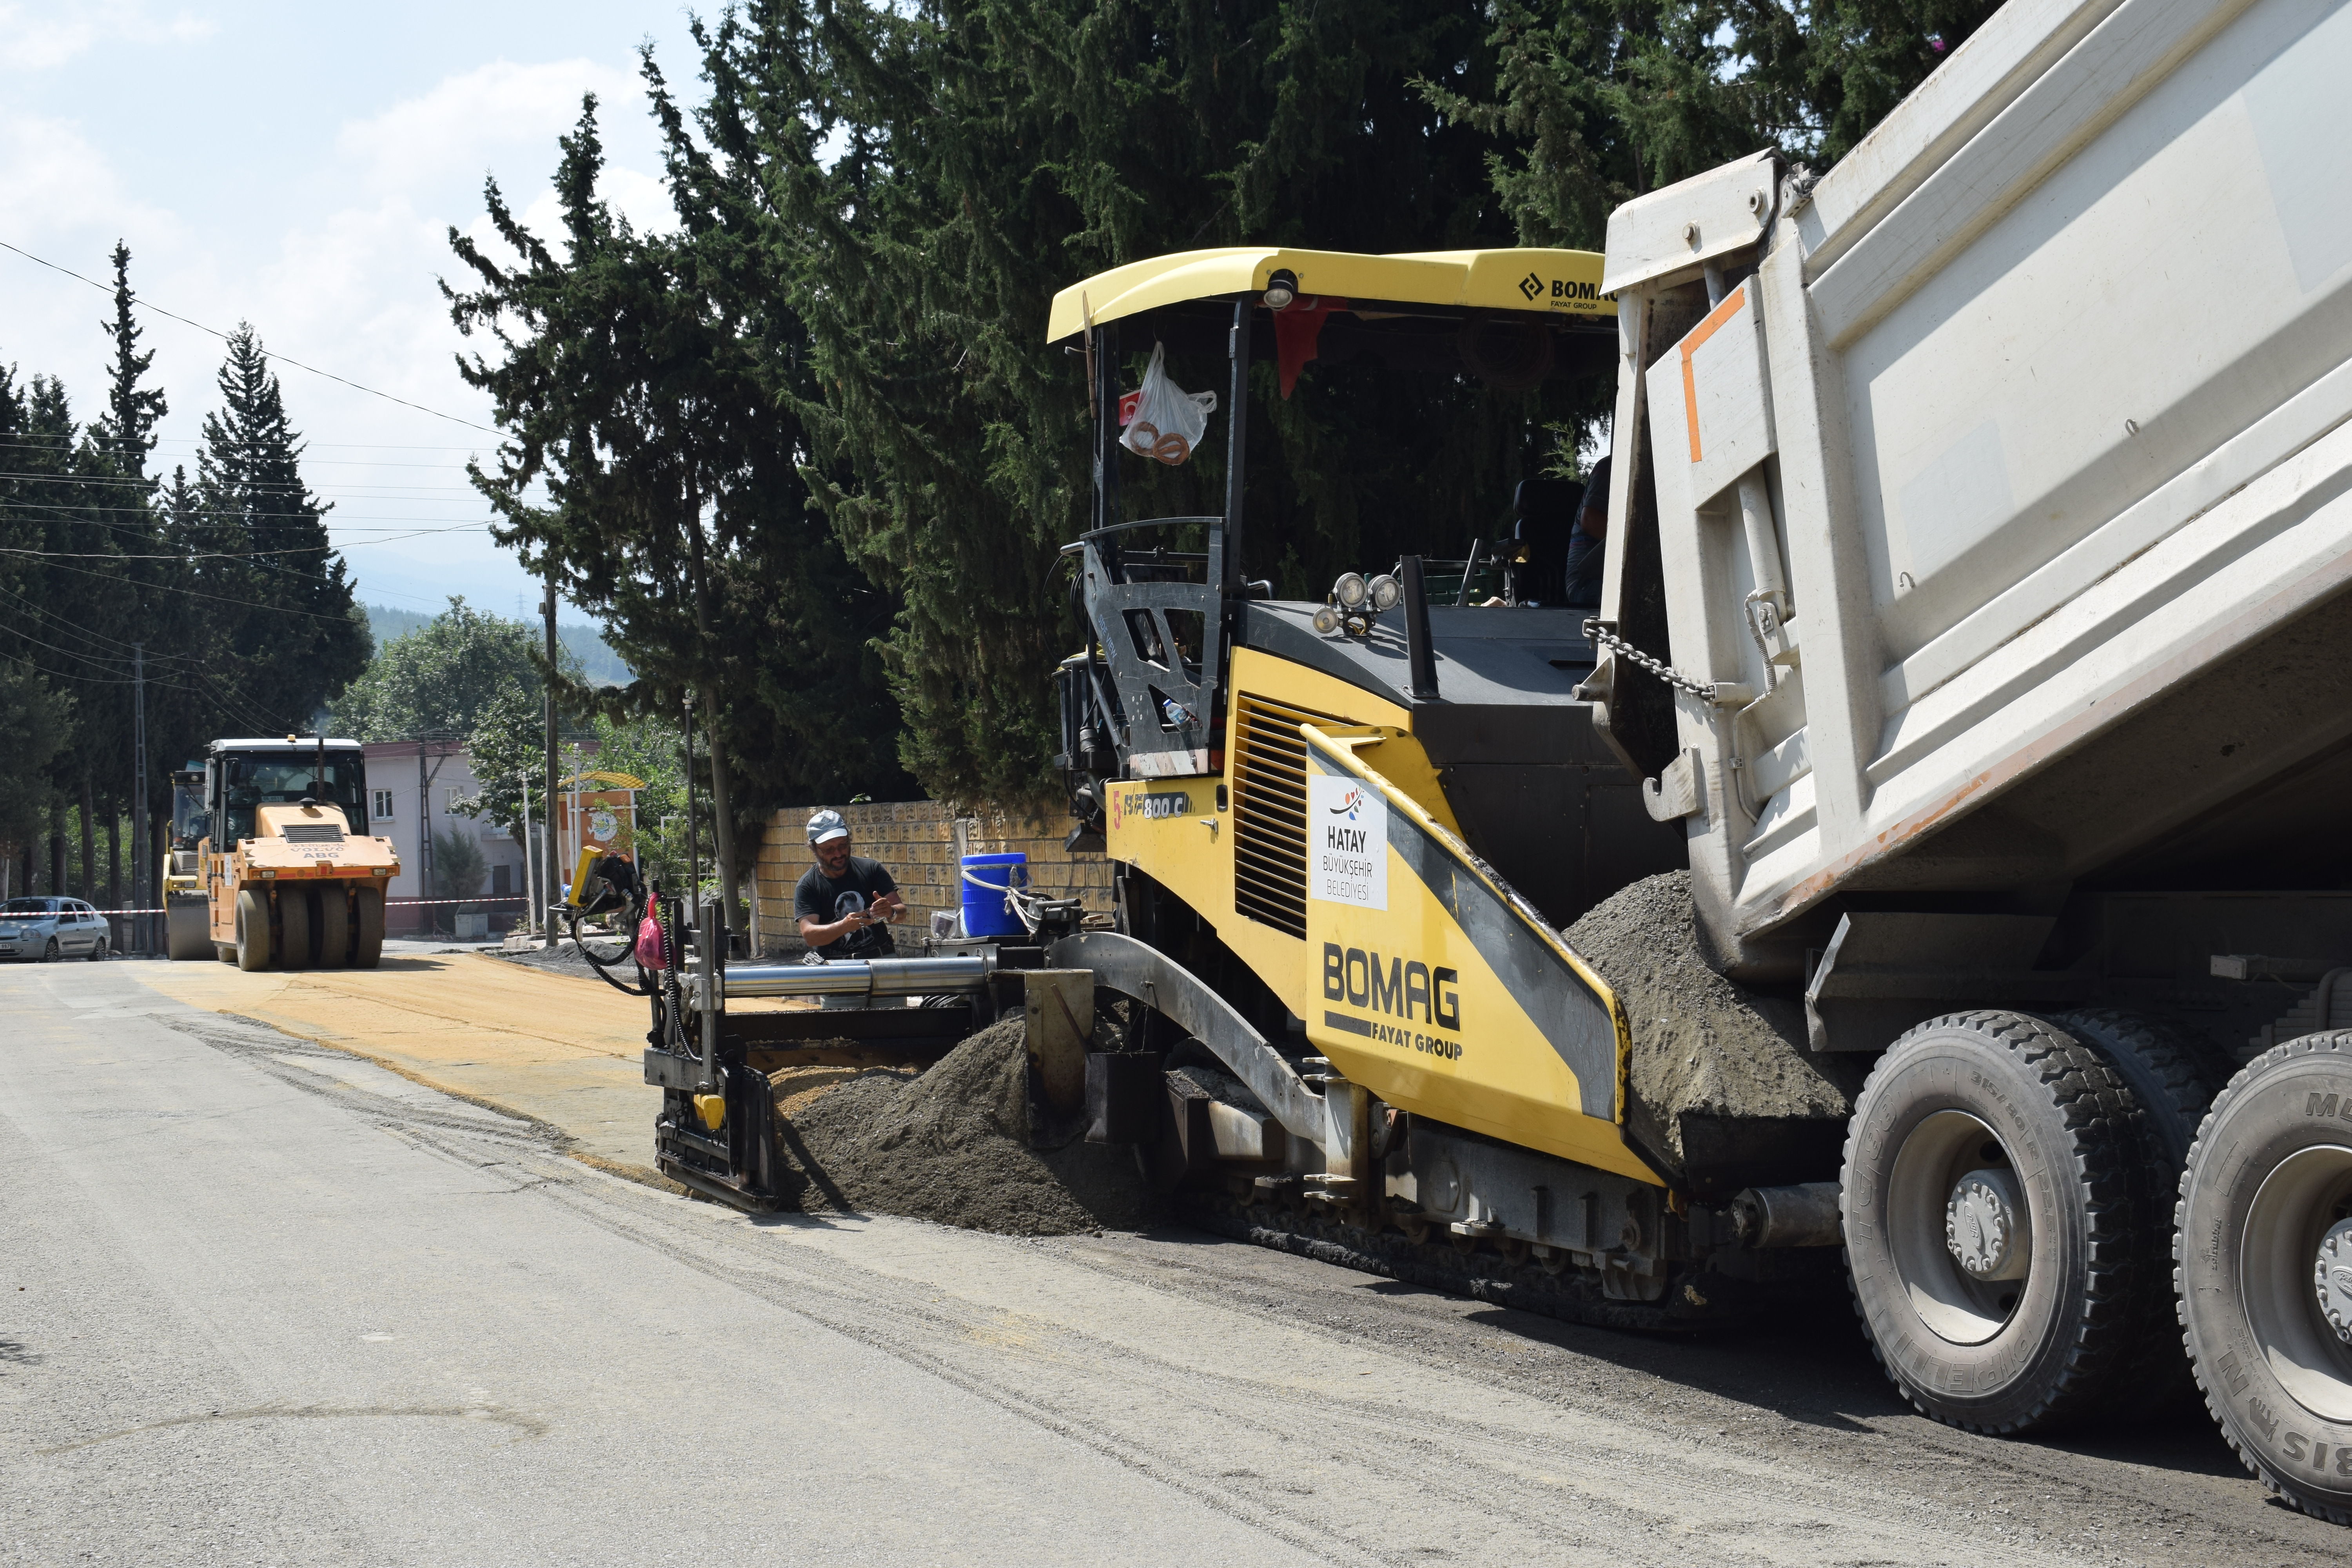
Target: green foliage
(300, 636)
(992, 153)
(1595, 105)
(877, 204)
(34, 721)
(599, 665)
(651, 750)
(459, 869)
(439, 680)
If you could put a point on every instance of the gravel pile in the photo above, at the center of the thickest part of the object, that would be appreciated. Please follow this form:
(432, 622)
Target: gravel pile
(951, 1144)
(1724, 1088)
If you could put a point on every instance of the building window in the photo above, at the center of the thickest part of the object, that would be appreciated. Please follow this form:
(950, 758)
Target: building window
(492, 830)
(382, 805)
(502, 882)
(451, 796)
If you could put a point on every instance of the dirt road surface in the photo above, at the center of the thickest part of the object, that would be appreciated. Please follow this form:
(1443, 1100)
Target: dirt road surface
(263, 1301)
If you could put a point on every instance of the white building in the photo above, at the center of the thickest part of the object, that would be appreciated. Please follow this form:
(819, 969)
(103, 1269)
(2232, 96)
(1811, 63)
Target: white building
(414, 783)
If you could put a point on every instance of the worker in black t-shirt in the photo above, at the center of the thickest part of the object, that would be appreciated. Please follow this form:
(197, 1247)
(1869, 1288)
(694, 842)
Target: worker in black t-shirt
(845, 903)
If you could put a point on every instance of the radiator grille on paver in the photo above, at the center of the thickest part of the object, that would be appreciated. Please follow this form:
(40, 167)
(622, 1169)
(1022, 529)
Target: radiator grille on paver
(1270, 811)
(312, 833)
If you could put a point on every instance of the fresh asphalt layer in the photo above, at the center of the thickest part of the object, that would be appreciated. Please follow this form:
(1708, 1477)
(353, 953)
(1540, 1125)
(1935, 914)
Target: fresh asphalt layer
(264, 1301)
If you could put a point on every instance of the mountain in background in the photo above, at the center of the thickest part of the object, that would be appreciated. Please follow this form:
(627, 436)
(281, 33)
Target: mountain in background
(602, 665)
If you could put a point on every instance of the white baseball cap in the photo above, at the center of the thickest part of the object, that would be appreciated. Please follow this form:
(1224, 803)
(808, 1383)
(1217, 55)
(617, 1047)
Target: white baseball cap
(827, 825)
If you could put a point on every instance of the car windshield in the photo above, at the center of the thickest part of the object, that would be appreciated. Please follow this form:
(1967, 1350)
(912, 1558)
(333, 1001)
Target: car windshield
(287, 776)
(29, 907)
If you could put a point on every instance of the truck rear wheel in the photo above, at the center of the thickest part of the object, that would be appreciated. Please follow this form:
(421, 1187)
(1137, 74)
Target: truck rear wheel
(2264, 1270)
(252, 929)
(2174, 1075)
(1995, 1240)
(333, 927)
(294, 928)
(367, 916)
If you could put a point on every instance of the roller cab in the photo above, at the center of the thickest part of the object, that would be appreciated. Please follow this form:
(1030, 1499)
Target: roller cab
(274, 833)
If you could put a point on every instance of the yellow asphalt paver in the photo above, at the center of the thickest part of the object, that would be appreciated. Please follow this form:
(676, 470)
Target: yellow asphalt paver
(563, 1049)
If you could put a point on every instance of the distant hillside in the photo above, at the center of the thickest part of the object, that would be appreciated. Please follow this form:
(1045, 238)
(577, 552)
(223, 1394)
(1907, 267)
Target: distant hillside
(602, 665)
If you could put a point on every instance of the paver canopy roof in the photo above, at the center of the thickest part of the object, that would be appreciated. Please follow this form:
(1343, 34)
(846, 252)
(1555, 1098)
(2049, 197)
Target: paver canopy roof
(1526, 281)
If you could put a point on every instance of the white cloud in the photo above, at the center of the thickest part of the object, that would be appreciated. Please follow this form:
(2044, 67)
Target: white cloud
(45, 36)
(466, 121)
(52, 179)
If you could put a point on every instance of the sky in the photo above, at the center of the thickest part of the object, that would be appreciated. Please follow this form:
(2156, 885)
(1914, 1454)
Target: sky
(299, 167)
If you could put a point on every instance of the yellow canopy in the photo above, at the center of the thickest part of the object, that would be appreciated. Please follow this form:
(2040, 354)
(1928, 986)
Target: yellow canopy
(605, 780)
(1554, 283)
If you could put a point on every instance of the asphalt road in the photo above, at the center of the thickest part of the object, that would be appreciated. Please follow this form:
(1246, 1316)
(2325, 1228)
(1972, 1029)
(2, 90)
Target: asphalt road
(263, 1303)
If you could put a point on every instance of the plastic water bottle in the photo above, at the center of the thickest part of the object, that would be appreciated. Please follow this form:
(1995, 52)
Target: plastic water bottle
(1174, 713)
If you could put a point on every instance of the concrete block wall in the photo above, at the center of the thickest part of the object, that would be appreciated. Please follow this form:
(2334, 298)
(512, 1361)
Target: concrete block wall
(923, 843)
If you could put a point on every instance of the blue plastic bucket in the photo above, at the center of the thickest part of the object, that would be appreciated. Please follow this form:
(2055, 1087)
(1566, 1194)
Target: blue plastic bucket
(986, 910)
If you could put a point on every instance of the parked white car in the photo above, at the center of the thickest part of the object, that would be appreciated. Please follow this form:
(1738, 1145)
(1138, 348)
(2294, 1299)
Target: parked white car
(51, 929)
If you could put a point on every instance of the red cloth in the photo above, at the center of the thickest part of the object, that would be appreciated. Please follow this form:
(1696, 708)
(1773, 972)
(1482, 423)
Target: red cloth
(1295, 330)
(649, 944)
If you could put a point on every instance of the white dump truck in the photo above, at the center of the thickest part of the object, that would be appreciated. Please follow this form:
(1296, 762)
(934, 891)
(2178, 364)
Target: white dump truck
(1978, 603)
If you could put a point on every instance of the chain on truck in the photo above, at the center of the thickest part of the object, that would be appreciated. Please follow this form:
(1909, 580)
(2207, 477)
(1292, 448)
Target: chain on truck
(1974, 635)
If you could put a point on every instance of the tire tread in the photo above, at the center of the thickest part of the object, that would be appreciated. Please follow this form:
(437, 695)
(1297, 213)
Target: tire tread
(2337, 1040)
(2101, 1117)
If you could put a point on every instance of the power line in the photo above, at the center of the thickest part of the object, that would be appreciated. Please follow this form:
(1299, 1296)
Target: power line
(217, 598)
(219, 555)
(266, 354)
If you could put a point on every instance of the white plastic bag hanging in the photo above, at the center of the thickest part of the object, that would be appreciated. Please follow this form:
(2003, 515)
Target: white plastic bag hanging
(1169, 421)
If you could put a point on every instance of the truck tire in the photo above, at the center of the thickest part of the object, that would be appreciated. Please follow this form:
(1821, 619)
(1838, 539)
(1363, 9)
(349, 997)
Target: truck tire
(331, 926)
(294, 928)
(367, 918)
(1999, 1138)
(252, 929)
(2263, 1261)
(187, 930)
(2173, 1074)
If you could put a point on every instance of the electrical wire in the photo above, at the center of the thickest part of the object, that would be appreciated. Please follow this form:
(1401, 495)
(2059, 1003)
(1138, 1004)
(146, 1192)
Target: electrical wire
(217, 598)
(265, 353)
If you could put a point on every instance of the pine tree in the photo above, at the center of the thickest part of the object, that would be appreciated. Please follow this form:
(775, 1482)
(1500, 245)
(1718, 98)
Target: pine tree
(302, 637)
(126, 432)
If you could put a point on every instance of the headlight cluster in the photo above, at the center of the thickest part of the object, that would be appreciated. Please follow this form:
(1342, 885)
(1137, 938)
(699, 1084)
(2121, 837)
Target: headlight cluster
(1354, 601)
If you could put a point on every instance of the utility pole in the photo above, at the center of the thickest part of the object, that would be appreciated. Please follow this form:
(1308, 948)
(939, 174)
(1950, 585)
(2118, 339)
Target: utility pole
(424, 832)
(554, 878)
(530, 868)
(693, 843)
(141, 852)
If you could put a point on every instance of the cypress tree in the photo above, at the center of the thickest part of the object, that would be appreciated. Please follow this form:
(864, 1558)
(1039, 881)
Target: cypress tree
(676, 512)
(126, 432)
(299, 637)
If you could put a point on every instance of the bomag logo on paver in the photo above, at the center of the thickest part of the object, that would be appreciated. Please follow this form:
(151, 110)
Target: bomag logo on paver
(1562, 290)
(1403, 988)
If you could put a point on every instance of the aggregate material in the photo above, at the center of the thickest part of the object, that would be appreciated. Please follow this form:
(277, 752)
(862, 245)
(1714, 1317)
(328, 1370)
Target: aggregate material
(953, 1144)
(1708, 1054)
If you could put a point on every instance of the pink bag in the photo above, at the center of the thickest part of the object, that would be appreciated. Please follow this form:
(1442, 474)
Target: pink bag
(649, 944)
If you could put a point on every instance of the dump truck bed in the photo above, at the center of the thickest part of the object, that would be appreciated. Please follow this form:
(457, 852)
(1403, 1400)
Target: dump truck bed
(2032, 417)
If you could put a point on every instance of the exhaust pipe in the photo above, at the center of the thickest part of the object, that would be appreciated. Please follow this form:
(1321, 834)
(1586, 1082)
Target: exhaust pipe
(1805, 1215)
